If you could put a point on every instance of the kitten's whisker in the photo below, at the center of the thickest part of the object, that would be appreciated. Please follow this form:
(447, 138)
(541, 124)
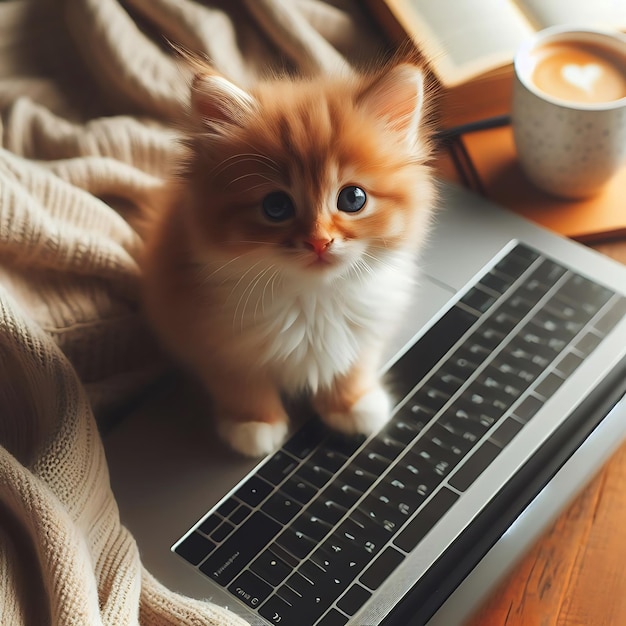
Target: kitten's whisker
(234, 180)
(246, 156)
(262, 243)
(254, 286)
(379, 261)
(221, 267)
(276, 273)
(264, 156)
(359, 266)
(248, 189)
(248, 289)
(262, 298)
(239, 282)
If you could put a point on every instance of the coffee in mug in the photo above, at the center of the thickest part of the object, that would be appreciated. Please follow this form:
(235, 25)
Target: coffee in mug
(569, 109)
(580, 73)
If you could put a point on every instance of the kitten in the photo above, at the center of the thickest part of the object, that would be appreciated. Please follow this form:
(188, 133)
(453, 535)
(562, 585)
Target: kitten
(287, 252)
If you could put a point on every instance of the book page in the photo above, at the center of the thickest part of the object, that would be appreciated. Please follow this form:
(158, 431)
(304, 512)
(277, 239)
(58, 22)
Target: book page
(463, 38)
(599, 13)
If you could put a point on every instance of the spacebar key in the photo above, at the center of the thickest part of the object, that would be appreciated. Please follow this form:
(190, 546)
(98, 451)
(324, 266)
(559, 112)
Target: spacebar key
(243, 545)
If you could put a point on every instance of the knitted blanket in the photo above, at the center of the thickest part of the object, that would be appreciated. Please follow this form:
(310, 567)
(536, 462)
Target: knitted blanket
(90, 92)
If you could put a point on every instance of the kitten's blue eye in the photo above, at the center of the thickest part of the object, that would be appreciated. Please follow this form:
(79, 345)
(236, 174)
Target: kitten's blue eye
(278, 206)
(351, 199)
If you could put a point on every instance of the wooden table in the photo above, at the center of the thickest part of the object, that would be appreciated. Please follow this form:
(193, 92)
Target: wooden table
(575, 575)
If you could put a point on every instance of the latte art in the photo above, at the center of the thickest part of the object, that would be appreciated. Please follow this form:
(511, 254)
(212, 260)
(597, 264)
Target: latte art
(579, 72)
(582, 76)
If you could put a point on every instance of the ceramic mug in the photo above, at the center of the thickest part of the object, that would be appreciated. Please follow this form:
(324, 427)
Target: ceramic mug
(569, 109)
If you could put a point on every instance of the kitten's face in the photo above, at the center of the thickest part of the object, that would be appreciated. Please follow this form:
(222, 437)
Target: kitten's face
(314, 178)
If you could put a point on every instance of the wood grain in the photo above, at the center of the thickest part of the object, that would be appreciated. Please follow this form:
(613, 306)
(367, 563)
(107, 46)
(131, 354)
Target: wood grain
(575, 575)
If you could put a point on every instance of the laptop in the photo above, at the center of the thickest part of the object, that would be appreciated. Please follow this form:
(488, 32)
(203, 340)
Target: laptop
(509, 374)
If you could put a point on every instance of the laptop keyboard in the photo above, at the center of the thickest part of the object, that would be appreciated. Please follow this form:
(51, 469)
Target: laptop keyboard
(317, 528)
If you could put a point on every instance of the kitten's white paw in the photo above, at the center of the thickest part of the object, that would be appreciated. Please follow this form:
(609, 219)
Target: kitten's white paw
(252, 439)
(368, 415)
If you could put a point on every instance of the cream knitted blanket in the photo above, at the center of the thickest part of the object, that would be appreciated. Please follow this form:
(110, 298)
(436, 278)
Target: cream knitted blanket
(89, 90)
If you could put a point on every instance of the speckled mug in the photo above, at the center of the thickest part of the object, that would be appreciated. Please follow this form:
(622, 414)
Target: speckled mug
(566, 148)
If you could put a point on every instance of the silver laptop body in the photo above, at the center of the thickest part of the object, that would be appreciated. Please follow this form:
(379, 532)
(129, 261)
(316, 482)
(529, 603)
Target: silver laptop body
(511, 370)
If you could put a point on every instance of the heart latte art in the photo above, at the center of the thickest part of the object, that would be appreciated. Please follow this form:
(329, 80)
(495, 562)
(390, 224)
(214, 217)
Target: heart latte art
(579, 72)
(582, 76)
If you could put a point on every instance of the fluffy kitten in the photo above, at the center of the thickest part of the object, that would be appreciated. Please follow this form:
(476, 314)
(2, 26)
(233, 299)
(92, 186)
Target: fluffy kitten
(287, 252)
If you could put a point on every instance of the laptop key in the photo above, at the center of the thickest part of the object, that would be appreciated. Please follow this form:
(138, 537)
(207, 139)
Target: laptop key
(548, 386)
(423, 522)
(402, 479)
(475, 466)
(278, 611)
(345, 495)
(416, 363)
(525, 252)
(581, 289)
(586, 344)
(315, 474)
(194, 548)
(333, 618)
(299, 490)
(547, 273)
(240, 548)
(357, 477)
(513, 265)
(478, 299)
(610, 318)
(506, 432)
(392, 514)
(271, 568)
(361, 540)
(496, 281)
(430, 398)
(386, 446)
(339, 566)
(327, 509)
(353, 599)
(568, 364)
(312, 526)
(371, 528)
(404, 430)
(314, 593)
(376, 574)
(240, 514)
(281, 507)
(296, 542)
(210, 524)
(328, 459)
(527, 408)
(227, 507)
(278, 467)
(249, 588)
(222, 531)
(371, 462)
(254, 491)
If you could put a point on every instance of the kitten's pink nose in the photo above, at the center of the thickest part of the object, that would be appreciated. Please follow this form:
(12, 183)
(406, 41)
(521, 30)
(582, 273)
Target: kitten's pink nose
(319, 246)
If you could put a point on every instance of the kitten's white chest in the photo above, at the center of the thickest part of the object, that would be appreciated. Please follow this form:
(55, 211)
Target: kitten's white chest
(309, 337)
(311, 340)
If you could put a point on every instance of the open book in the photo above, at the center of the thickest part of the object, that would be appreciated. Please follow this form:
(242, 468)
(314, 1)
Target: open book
(470, 43)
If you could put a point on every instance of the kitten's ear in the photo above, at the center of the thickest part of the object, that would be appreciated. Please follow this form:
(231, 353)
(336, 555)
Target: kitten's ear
(397, 97)
(218, 103)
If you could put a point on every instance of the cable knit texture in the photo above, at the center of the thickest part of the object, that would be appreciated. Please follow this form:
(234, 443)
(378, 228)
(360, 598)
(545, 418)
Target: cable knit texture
(90, 97)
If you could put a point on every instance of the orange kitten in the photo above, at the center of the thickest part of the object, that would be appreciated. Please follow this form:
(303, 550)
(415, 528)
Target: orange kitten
(287, 253)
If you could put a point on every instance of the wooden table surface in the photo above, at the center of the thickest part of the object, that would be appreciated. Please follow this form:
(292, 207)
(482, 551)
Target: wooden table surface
(575, 575)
